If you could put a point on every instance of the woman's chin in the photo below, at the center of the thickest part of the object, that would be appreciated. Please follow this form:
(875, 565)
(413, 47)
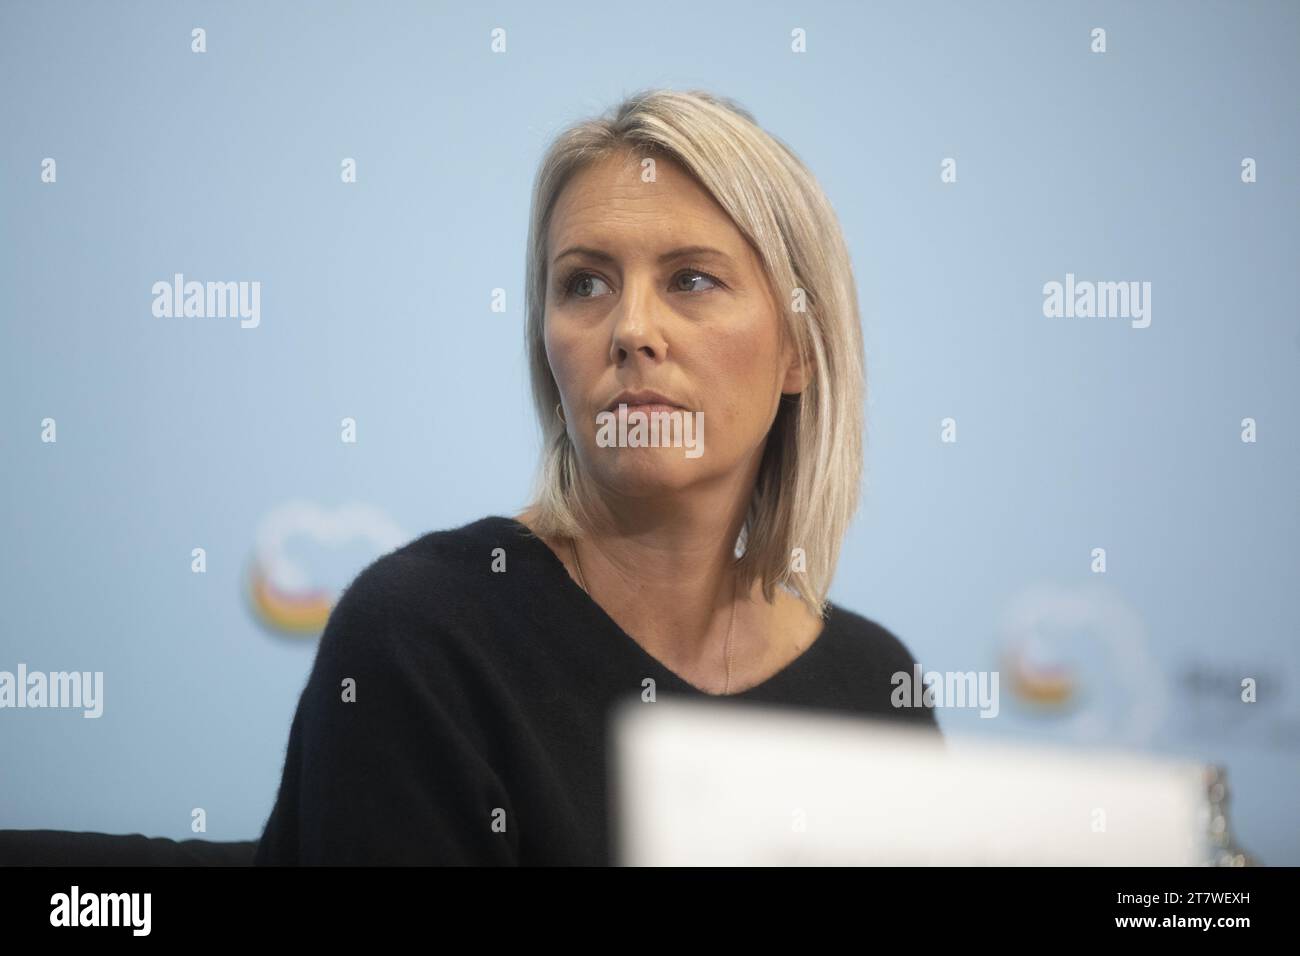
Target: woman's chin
(645, 472)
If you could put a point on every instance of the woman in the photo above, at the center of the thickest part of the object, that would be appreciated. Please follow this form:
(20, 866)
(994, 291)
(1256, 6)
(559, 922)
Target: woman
(683, 266)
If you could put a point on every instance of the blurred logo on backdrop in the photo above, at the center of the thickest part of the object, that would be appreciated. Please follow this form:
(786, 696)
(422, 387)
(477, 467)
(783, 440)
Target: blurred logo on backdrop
(1078, 657)
(304, 554)
(1078, 661)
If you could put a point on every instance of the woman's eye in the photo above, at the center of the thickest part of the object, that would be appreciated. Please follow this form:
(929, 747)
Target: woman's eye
(582, 285)
(692, 275)
(585, 285)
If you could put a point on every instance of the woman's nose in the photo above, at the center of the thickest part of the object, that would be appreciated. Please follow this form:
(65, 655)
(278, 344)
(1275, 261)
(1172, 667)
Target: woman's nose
(637, 332)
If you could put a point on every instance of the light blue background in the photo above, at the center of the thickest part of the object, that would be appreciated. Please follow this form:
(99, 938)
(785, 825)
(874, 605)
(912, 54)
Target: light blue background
(1072, 433)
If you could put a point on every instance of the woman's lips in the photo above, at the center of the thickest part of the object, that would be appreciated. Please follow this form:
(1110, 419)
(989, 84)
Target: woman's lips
(651, 408)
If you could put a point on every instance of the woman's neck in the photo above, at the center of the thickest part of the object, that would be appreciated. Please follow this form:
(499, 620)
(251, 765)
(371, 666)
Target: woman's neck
(667, 577)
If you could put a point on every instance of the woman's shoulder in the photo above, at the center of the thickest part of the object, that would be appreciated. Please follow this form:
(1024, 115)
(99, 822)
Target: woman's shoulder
(459, 545)
(424, 586)
(869, 640)
(417, 621)
(880, 663)
(437, 563)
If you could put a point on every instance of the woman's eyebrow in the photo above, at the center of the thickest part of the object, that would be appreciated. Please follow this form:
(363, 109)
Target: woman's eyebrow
(679, 253)
(694, 251)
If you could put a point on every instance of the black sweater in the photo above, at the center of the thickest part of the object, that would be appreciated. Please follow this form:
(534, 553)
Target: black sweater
(476, 732)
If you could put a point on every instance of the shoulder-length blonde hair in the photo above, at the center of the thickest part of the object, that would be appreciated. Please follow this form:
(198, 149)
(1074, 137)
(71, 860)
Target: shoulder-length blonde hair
(807, 487)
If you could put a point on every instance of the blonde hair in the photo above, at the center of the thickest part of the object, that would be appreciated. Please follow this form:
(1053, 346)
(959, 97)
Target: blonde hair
(807, 487)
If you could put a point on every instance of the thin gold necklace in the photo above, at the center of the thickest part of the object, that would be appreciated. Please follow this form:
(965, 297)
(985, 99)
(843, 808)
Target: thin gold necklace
(731, 627)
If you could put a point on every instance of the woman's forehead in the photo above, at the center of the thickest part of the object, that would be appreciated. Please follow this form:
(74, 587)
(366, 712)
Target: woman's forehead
(613, 209)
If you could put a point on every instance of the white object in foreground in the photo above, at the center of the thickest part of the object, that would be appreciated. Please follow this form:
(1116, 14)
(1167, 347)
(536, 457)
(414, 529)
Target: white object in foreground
(702, 783)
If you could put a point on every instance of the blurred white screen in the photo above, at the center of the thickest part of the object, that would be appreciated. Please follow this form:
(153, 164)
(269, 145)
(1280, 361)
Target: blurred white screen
(703, 783)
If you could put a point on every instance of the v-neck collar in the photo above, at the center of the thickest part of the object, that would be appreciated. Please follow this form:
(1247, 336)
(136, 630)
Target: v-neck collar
(551, 564)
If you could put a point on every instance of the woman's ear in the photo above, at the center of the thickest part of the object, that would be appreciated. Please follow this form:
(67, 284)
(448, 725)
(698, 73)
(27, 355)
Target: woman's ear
(797, 375)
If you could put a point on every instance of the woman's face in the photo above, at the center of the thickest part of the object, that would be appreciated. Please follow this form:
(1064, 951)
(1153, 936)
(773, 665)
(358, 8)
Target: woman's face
(650, 286)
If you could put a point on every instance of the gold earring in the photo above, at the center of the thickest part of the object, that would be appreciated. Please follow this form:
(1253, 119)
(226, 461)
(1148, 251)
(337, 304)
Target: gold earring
(559, 411)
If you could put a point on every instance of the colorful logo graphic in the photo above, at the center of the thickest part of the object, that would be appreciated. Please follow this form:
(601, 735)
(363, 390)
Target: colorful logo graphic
(1080, 655)
(283, 594)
